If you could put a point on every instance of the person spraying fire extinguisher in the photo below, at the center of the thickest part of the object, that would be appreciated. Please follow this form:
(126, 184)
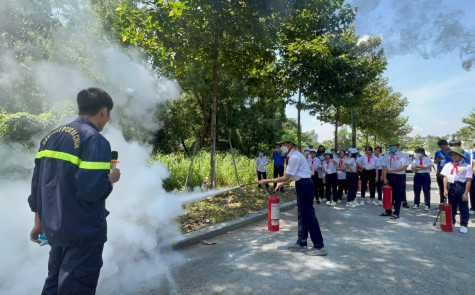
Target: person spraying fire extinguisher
(394, 168)
(298, 170)
(457, 182)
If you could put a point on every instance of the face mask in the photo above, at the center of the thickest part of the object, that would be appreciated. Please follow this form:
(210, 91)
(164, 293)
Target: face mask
(322, 158)
(260, 155)
(284, 149)
(307, 153)
(393, 149)
(418, 155)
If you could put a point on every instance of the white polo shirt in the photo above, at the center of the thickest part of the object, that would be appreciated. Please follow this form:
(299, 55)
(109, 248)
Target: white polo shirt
(394, 161)
(261, 163)
(420, 162)
(341, 163)
(297, 167)
(314, 164)
(368, 163)
(378, 159)
(329, 167)
(457, 171)
(352, 163)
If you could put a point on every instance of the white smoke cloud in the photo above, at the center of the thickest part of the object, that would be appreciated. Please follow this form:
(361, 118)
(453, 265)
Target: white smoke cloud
(430, 28)
(142, 221)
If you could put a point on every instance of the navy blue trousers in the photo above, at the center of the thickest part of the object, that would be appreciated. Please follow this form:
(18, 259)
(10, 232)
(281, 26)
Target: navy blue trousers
(456, 191)
(472, 194)
(331, 186)
(73, 270)
(422, 181)
(396, 181)
(352, 179)
(379, 185)
(368, 176)
(307, 221)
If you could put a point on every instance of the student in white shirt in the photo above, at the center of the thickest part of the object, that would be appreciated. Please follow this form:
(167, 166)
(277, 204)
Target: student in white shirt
(320, 184)
(421, 167)
(457, 181)
(261, 170)
(330, 179)
(369, 173)
(352, 177)
(299, 171)
(341, 174)
(314, 164)
(380, 181)
(394, 168)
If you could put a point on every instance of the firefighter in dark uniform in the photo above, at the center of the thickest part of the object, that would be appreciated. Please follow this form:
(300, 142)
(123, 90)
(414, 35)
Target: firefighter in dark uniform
(71, 181)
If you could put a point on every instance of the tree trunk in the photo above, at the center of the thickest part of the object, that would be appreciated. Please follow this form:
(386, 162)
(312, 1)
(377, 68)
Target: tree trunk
(367, 138)
(299, 108)
(184, 145)
(213, 114)
(337, 119)
(353, 129)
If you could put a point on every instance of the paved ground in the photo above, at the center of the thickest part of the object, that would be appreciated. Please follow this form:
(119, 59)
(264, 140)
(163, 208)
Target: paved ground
(368, 254)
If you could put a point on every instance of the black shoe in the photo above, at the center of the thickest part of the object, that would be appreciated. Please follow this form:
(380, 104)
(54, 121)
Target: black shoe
(405, 205)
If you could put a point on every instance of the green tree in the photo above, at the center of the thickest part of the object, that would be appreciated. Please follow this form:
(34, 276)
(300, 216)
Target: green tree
(467, 133)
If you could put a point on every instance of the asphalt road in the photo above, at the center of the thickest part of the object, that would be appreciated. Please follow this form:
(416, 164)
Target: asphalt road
(368, 254)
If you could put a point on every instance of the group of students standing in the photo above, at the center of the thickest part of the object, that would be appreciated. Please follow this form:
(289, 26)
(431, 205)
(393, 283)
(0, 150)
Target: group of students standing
(335, 174)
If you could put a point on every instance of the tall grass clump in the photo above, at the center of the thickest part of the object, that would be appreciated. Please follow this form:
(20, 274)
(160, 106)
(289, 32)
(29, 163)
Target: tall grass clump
(178, 164)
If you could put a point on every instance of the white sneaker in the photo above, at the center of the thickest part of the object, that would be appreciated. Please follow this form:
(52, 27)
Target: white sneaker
(348, 204)
(471, 212)
(320, 200)
(333, 204)
(427, 208)
(380, 203)
(353, 205)
(415, 206)
(328, 203)
(362, 202)
(369, 201)
(324, 199)
(375, 203)
(463, 229)
(356, 204)
(339, 201)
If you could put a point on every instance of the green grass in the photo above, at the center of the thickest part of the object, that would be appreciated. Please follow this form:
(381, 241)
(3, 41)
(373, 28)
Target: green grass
(178, 164)
(227, 206)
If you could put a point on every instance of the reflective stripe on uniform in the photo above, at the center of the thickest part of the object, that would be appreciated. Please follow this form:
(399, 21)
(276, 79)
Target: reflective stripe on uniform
(73, 159)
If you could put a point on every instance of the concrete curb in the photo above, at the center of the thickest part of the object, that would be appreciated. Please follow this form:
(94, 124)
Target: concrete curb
(222, 228)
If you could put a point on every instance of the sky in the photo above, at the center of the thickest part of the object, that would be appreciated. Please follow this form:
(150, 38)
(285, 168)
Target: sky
(426, 43)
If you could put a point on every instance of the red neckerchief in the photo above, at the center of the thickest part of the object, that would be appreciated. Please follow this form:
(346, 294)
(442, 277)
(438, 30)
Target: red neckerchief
(392, 161)
(287, 159)
(420, 161)
(456, 168)
(328, 164)
(341, 163)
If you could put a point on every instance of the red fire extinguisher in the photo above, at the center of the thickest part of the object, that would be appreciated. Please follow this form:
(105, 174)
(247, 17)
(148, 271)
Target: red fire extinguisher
(387, 197)
(445, 211)
(273, 213)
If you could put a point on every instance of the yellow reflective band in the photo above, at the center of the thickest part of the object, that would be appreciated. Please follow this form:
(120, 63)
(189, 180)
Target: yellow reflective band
(58, 155)
(73, 159)
(95, 165)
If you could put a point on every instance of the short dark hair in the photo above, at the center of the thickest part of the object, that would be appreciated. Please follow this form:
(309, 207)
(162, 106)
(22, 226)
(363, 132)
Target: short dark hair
(379, 148)
(455, 142)
(368, 148)
(321, 146)
(442, 142)
(420, 150)
(92, 100)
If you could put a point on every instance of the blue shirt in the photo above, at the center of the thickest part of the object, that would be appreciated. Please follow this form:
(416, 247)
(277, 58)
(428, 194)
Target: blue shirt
(278, 159)
(70, 184)
(447, 159)
(467, 157)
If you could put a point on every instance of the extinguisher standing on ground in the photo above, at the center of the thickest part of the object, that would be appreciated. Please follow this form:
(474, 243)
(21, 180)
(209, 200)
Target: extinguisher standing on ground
(445, 213)
(387, 197)
(273, 213)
